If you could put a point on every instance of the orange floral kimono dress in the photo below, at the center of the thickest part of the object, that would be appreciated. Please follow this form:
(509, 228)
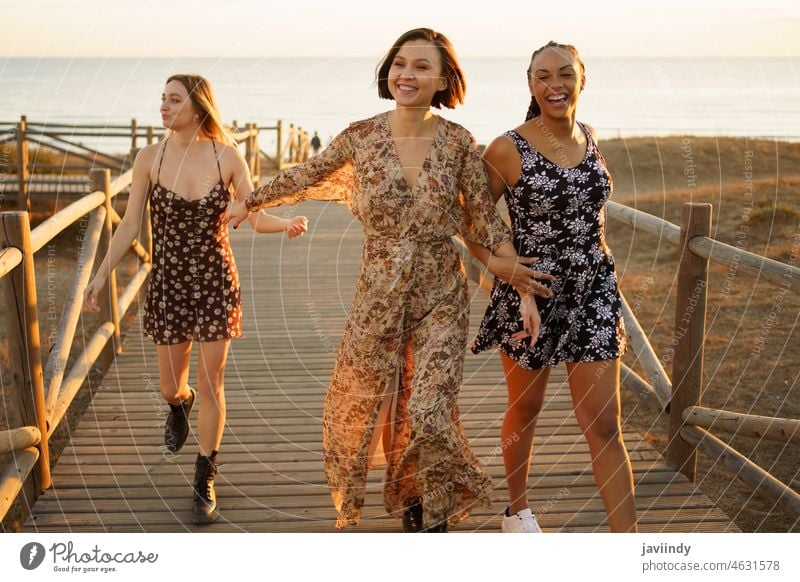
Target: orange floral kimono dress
(393, 390)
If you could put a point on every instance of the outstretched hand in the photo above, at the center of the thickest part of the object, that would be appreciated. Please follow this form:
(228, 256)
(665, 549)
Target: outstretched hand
(91, 293)
(297, 227)
(237, 214)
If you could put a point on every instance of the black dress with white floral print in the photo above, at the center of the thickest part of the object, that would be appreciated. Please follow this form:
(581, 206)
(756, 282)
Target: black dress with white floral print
(193, 293)
(557, 215)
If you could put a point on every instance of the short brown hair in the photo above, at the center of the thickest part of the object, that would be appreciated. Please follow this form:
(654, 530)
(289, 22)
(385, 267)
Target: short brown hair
(456, 88)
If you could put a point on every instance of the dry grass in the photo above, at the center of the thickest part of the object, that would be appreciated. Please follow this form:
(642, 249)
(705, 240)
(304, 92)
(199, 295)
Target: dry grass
(38, 155)
(752, 350)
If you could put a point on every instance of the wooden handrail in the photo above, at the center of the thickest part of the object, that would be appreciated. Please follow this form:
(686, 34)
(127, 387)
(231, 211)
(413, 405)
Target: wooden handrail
(775, 272)
(136, 246)
(13, 479)
(646, 393)
(10, 257)
(26, 400)
(54, 369)
(121, 182)
(17, 439)
(134, 285)
(78, 373)
(645, 222)
(656, 374)
(784, 430)
(47, 230)
(763, 483)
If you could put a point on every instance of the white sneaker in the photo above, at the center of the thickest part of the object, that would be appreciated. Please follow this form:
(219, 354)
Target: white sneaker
(522, 522)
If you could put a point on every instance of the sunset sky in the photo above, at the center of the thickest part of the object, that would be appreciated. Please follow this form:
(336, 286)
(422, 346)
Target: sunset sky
(344, 28)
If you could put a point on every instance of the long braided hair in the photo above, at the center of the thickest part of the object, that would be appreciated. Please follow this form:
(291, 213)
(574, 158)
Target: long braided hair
(533, 108)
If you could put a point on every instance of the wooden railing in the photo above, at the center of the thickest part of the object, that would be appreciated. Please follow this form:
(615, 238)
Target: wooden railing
(41, 393)
(292, 146)
(679, 396)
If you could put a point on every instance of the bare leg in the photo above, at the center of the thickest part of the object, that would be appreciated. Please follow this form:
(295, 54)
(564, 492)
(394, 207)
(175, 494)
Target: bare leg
(173, 368)
(525, 397)
(595, 396)
(211, 389)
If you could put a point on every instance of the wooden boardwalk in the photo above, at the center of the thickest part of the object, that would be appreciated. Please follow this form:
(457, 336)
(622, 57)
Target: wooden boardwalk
(114, 477)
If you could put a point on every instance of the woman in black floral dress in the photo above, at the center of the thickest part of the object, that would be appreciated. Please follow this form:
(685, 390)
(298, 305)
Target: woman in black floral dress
(193, 291)
(556, 183)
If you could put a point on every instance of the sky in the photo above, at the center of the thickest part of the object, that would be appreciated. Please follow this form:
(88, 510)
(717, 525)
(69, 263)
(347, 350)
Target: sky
(365, 28)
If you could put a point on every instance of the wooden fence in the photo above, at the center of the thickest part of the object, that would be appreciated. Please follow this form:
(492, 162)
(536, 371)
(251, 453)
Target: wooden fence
(292, 145)
(679, 396)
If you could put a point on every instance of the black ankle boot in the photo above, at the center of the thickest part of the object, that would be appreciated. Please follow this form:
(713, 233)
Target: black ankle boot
(412, 517)
(204, 506)
(176, 428)
(437, 528)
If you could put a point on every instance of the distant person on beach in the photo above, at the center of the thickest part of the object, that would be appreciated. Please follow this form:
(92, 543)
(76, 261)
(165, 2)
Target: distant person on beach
(414, 180)
(193, 292)
(555, 184)
(316, 143)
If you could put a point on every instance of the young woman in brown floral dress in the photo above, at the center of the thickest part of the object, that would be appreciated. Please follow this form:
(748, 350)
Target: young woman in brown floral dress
(193, 291)
(414, 180)
(555, 184)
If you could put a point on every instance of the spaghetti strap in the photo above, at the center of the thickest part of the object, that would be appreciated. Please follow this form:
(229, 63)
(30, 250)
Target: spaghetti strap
(161, 161)
(216, 157)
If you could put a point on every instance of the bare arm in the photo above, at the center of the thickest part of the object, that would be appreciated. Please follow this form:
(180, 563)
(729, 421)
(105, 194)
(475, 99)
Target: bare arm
(327, 176)
(241, 182)
(503, 167)
(128, 227)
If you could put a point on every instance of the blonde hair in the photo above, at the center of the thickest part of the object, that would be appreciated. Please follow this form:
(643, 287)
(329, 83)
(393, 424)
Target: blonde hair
(202, 97)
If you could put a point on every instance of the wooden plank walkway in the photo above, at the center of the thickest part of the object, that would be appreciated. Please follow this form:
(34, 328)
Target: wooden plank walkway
(114, 477)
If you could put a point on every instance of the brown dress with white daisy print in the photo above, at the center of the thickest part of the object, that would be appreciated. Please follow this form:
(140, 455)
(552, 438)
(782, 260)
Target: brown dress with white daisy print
(193, 293)
(393, 390)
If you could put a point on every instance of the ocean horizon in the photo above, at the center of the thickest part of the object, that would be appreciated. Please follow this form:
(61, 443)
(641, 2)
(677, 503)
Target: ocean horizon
(624, 97)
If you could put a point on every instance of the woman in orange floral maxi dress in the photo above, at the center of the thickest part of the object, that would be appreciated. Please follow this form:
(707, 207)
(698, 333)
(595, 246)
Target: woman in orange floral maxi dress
(393, 391)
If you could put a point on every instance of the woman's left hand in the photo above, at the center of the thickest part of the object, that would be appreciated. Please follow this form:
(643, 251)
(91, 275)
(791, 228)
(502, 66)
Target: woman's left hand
(237, 213)
(520, 274)
(531, 321)
(297, 227)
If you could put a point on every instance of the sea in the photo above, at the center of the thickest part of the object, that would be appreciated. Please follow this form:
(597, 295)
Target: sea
(624, 97)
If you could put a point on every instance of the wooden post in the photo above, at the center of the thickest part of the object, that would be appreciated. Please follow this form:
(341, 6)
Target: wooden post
(101, 180)
(134, 131)
(257, 149)
(27, 399)
(690, 329)
(279, 150)
(291, 143)
(248, 147)
(151, 136)
(23, 198)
